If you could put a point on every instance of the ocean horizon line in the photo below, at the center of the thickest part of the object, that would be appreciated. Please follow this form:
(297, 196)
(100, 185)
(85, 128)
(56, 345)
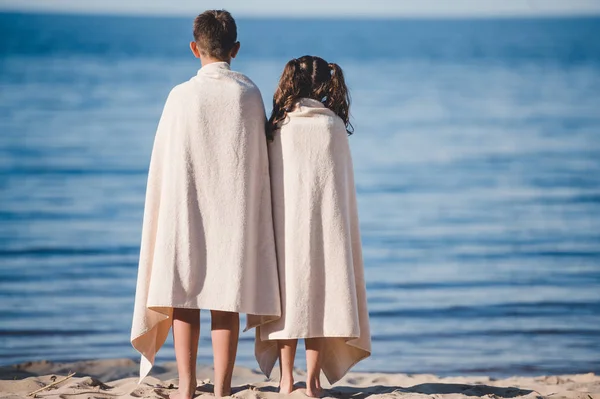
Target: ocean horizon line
(347, 17)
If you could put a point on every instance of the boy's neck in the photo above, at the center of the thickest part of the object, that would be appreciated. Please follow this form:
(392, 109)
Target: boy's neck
(206, 61)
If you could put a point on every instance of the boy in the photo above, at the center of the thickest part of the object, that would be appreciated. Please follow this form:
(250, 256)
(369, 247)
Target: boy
(207, 239)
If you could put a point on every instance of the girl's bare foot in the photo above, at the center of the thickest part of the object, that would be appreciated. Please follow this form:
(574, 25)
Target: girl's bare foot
(287, 353)
(314, 347)
(286, 386)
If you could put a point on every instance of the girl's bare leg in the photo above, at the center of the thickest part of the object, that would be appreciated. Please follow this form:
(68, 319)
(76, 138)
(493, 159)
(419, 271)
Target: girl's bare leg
(225, 333)
(186, 332)
(314, 348)
(287, 354)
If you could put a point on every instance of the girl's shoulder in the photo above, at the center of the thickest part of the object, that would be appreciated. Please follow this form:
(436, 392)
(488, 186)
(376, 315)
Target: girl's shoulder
(309, 108)
(313, 119)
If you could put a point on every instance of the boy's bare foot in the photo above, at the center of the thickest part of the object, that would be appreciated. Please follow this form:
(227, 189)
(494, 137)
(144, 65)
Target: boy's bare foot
(186, 332)
(221, 392)
(225, 331)
(315, 394)
(184, 393)
(313, 389)
(286, 386)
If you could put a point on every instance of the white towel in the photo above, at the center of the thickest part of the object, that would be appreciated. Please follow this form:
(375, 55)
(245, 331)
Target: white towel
(207, 239)
(318, 242)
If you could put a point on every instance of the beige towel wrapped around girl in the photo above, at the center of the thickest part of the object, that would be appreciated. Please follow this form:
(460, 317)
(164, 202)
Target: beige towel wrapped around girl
(207, 239)
(318, 241)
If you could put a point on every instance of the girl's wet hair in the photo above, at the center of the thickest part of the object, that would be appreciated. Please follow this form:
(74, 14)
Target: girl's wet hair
(310, 77)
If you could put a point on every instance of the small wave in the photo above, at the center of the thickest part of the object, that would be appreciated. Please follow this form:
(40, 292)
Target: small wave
(414, 337)
(47, 333)
(65, 251)
(534, 309)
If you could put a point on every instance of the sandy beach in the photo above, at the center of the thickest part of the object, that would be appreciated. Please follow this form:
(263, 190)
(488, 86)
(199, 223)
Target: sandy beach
(117, 379)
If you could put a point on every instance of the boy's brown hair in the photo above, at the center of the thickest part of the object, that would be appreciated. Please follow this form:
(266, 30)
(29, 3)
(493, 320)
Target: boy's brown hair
(215, 33)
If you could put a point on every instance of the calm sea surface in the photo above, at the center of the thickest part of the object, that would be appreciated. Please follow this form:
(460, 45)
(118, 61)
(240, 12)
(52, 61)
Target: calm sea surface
(477, 156)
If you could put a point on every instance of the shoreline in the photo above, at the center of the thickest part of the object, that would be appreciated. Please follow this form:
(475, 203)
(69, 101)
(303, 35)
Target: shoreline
(118, 378)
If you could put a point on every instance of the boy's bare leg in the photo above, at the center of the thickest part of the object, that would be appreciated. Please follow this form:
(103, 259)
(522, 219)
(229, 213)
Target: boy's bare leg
(225, 333)
(186, 332)
(287, 354)
(314, 347)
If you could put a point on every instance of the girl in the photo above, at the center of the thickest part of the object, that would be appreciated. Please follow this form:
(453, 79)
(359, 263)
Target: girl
(316, 229)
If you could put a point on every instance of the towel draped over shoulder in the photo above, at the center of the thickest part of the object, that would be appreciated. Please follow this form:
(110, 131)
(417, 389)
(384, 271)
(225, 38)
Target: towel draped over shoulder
(318, 242)
(207, 237)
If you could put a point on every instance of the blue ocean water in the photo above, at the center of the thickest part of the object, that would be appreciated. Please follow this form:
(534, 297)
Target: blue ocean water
(477, 157)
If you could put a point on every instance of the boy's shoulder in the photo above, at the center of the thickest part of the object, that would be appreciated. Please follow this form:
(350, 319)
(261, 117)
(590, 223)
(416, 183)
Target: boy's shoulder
(246, 84)
(253, 90)
(245, 79)
(184, 90)
(181, 89)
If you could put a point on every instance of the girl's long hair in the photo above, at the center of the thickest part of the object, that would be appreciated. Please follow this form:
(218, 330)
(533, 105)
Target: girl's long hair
(310, 77)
